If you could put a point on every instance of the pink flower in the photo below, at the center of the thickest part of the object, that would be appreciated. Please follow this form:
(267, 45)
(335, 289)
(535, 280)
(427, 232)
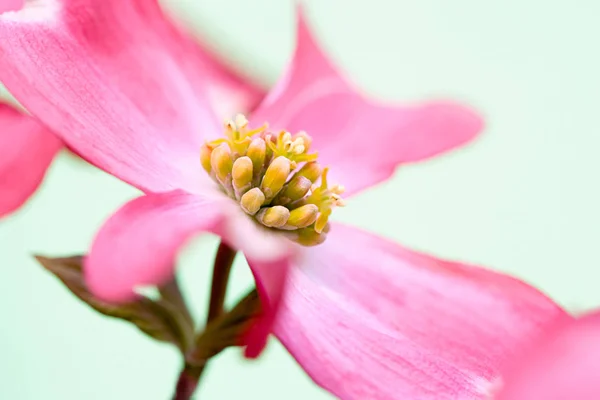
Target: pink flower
(365, 317)
(27, 147)
(562, 365)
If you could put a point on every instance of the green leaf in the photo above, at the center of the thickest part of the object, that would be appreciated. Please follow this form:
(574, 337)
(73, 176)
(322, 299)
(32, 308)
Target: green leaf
(166, 319)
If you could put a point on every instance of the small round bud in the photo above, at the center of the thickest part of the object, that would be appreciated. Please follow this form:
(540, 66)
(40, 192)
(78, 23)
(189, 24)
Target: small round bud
(294, 190)
(302, 217)
(242, 172)
(257, 152)
(252, 200)
(205, 153)
(221, 162)
(312, 171)
(274, 217)
(275, 177)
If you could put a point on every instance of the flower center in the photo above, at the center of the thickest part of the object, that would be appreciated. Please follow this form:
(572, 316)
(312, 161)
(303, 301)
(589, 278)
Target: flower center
(274, 179)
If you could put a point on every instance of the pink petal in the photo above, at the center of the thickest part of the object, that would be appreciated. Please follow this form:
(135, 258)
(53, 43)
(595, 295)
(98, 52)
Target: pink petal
(117, 81)
(138, 246)
(229, 92)
(368, 319)
(26, 150)
(271, 281)
(11, 5)
(363, 141)
(564, 365)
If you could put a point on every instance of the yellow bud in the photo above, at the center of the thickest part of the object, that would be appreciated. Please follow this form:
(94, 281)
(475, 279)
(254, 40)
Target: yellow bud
(221, 162)
(311, 170)
(275, 177)
(302, 217)
(242, 173)
(205, 153)
(294, 190)
(274, 217)
(257, 152)
(252, 200)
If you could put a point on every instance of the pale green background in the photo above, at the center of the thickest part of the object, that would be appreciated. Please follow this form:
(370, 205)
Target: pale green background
(522, 199)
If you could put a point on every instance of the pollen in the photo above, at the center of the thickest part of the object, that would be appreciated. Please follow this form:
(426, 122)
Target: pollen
(275, 179)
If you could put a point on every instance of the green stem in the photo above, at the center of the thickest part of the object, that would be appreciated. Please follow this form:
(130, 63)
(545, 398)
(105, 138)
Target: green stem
(190, 375)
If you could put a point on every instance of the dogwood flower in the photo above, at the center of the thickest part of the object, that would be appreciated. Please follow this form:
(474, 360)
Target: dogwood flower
(27, 147)
(365, 317)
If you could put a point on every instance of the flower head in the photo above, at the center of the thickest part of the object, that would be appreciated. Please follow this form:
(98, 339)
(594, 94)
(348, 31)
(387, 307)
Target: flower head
(356, 310)
(274, 179)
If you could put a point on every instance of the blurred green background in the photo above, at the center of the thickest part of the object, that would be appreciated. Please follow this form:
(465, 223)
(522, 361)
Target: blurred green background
(523, 199)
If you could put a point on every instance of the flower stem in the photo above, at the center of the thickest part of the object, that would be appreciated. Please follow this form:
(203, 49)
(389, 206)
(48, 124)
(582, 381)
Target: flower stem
(187, 383)
(221, 272)
(190, 375)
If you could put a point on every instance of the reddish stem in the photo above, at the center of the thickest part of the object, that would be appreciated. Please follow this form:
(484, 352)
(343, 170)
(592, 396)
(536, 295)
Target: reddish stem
(190, 375)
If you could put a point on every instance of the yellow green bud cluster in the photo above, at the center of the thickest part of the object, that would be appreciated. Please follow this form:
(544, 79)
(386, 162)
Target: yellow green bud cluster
(274, 179)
